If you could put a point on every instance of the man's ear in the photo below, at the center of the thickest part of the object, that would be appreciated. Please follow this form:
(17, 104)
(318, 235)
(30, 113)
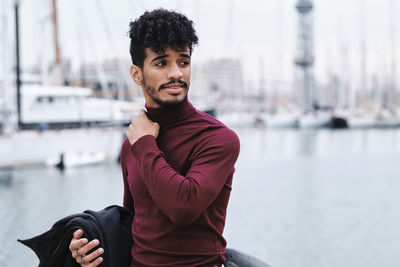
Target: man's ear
(136, 74)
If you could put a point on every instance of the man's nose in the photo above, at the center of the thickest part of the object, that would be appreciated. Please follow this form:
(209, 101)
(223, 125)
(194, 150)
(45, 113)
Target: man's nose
(175, 72)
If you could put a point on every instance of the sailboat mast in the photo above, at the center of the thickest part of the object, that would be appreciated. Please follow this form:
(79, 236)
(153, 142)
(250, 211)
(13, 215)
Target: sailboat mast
(55, 27)
(7, 105)
(363, 58)
(393, 56)
(56, 76)
(18, 69)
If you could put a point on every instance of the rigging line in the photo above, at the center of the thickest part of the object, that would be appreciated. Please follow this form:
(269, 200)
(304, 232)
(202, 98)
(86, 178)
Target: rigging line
(99, 70)
(133, 10)
(363, 51)
(81, 50)
(178, 5)
(136, 90)
(393, 52)
(122, 68)
(142, 4)
(42, 55)
(137, 8)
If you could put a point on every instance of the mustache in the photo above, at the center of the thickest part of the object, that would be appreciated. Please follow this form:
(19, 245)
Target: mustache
(184, 84)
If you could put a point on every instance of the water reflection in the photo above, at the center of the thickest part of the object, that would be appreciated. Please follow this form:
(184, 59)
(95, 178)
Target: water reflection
(300, 198)
(313, 142)
(5, 178)
(308, 141)
(318, 197)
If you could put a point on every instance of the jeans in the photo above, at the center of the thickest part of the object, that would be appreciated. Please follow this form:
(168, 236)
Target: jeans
(236, 258)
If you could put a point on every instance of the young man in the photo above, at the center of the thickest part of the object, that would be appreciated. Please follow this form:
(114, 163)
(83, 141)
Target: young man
(177, 162)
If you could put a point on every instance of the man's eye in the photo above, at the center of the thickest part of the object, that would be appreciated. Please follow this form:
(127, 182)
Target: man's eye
(185, 63)
(161, 63)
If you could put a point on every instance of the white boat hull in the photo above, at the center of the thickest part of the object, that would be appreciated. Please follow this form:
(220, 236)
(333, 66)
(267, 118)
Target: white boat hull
(78, 146)
(315, 120)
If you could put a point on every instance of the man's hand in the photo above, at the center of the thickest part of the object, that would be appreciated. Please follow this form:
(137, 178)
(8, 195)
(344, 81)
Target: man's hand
(141, 126)
(80, 246)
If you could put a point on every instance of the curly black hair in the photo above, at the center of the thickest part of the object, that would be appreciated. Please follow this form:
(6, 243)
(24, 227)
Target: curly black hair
(160, 29)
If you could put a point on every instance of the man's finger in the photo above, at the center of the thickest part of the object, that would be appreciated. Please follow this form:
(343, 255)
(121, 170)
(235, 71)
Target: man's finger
(89, 246)
(77, 244)
(78, 234)
(96, 262)
(95, 254)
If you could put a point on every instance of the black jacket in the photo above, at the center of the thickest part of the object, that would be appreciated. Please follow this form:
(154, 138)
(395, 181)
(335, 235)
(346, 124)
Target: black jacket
(111, 226)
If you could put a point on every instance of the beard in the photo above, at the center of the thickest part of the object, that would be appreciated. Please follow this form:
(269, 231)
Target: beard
(170, 103)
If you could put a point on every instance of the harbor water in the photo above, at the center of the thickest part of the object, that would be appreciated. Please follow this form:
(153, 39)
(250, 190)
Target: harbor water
(304, 198)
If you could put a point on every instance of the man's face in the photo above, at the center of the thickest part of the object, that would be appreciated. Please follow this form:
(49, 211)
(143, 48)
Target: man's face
(166, 77)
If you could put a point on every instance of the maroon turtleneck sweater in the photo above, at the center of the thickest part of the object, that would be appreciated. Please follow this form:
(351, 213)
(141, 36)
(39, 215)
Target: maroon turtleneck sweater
(179, 186)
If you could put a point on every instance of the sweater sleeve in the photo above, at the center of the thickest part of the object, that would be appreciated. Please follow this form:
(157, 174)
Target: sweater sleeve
(184, 198)
(127, 200)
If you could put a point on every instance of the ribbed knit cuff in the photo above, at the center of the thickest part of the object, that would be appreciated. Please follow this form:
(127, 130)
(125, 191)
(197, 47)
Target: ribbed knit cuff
(143, 144)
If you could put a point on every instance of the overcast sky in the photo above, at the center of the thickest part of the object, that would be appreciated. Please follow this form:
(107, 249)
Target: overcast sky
(262, 33)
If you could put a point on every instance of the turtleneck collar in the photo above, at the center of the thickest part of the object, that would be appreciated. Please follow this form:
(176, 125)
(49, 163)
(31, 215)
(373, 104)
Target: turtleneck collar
(166, 115)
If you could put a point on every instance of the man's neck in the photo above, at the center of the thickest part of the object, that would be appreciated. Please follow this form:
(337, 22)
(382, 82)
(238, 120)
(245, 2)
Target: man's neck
(165, 115)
